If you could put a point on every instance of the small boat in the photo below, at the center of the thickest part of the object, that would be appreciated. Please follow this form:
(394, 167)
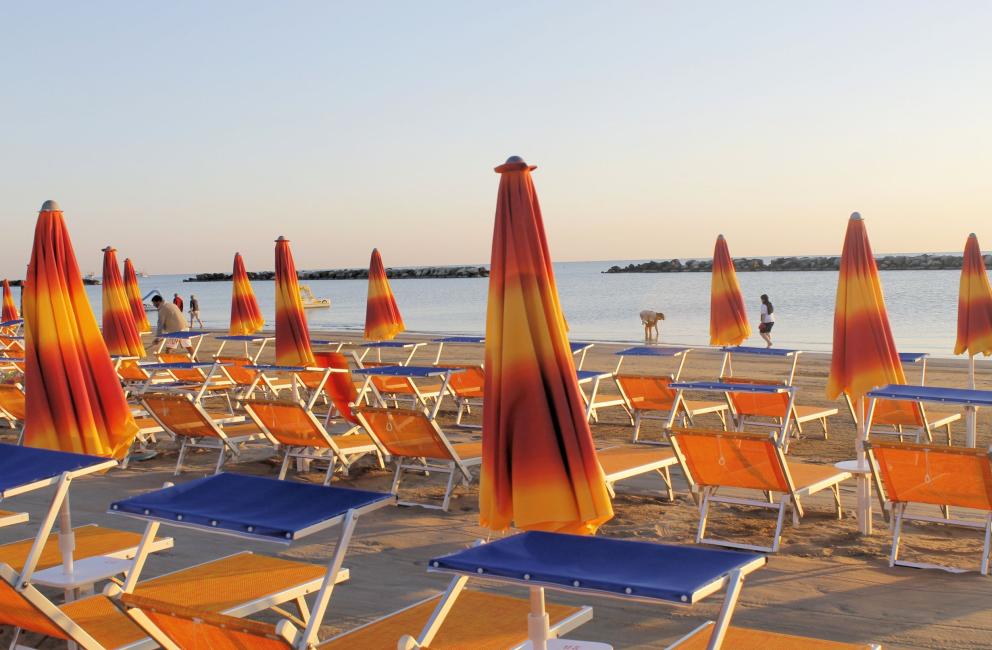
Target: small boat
(310, 301)
(146, 300)
(142, 274)
(90, 278)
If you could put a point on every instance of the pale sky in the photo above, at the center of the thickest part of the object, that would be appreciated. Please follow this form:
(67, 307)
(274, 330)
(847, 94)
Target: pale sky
(180, 132)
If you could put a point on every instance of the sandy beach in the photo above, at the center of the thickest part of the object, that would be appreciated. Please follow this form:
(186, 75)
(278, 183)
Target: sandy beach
(826, 581)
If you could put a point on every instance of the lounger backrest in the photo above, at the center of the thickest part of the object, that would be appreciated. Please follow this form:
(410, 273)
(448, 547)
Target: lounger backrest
(180, 415)
(771, 405)
(407, 433)
(340, 386)
(385, 384)
(192, 375)
(469, 382)
(647, 392)
(731, 459)
(12, 400)
(234, 369)
(17, 611)
(190, 628)
(131, 370)
(287, 422)
(939, 475)
(897, 412)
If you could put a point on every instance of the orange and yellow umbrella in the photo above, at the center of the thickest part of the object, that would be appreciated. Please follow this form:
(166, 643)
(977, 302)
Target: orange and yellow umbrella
(292, 335)
(119, 329)
(74, 401)
(539, 465)
(974, 303)
(9, 306)
(382, 317)
(864, 351)
(246, 317)
(133, 292)
(728, 317)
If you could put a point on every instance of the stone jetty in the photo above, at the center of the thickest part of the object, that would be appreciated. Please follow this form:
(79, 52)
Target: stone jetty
(425, 272)
(814, 263)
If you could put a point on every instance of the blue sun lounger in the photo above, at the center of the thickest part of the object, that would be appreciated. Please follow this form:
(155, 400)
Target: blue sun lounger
(457, 340)
(258, 509)
(379, 346)
(727, 365)
(27, 469)
(728, 388)
(661, 352)
(597, 566)
(191, 337)
(246, 340)
(407, 388)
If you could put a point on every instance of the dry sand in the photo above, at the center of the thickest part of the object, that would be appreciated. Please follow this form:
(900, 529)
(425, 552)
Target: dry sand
(826, 581)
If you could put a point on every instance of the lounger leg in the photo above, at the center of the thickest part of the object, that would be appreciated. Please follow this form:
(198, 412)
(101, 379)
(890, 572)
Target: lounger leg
(610, 490)
(304, 609)
(221, 459)
(984, 567)
(450, 487)
(182, 454)
(779, 523)
(734, 583)
(330, 471)
(666, 476)
(836, 491)
(948, 429)
(396, 478)
(900, 508)
(637, 425)
(330, 578)
(704, 508)
(436, 620)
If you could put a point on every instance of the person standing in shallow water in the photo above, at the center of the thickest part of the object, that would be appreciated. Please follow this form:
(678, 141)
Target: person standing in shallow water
(767, 319)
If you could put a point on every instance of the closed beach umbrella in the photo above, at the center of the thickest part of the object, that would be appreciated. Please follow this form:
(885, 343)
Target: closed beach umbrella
(119, 329)
(382, 317)
(539, 465)
(9, 306)
(728, 317)
(246, 317)
(974, 316)
(74, 400)
(133, 292)
(864, 352)
(292, 335)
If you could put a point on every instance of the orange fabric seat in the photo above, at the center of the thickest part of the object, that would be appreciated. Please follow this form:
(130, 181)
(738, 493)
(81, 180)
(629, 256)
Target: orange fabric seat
(103, 621)
(627, 461)
(12, 405)
(719, 460)
(91, 541)
(757, 408)
(652, 396)
(958, 477)
(418, 445)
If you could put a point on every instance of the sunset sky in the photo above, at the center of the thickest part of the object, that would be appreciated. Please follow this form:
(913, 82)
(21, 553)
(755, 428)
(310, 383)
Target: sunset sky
(180, 132)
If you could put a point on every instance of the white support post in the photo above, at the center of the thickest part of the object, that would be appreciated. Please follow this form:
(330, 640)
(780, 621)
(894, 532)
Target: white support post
(970, 416)
(538, 621)
(864, 482)
(330, 578)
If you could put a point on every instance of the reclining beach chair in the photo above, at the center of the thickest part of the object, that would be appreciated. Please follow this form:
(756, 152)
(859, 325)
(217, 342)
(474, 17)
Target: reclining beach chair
(189, 375)
(744, 638)
(467, 387)
(12, 408)
(193, 427)
(418, 445)
(651, 397)
(627, 461)
(290, 427)
(720, 460)
(913, 474)
(904, 418)
(403, 389)
(505, 626)
(774, 410)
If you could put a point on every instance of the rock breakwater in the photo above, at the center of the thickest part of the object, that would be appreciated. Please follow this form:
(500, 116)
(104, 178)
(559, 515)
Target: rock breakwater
(425, 272)
(812, 263)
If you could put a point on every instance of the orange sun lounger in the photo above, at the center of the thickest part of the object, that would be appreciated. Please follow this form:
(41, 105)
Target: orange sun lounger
(12, 408)
(193, 427)
(505, 625)
(290, 427)
(908, 474)
(775, 410)
(720, 460)
(238, 585)
(650, 396)
(906, 418)
(418, 445)
(743, 638)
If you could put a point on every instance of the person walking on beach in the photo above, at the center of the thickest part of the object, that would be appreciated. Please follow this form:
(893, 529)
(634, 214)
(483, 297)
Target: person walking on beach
(170, 320)
(177, 301)
(650, 318)
(767, 319)
(194, 311)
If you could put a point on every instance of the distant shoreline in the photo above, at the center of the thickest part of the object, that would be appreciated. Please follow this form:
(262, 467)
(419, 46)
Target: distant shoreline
(925, 262)
(424, 272)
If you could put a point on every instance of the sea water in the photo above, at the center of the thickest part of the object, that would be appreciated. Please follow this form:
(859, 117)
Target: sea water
(922, 305)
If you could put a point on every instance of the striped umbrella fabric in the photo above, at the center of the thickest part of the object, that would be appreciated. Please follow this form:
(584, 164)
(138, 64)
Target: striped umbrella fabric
(292, 334)
(539, 467)
(246, 317)
(382, 316)
(728, 317)
(133, 292)
(864, 351)
(119, 329)
(9, 306)
(74, 400)
(974, 303)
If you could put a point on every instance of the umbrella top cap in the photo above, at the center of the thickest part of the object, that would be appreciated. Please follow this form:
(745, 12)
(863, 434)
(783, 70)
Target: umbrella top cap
(281, 238)
(515, 164)
(50, 206)
(108, 249)
(720, 236)
(856, 216)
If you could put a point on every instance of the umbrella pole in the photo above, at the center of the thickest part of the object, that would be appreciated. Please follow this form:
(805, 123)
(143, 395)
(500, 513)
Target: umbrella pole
(538, 621)
(864, 484)
(969, 413)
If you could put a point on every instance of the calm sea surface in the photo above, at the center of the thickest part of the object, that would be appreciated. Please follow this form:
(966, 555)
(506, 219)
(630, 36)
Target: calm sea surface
(603, 307)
